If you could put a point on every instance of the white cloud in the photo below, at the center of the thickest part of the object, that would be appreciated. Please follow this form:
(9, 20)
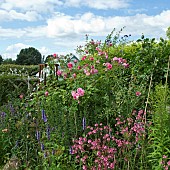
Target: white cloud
(35, 5)
(64, 26)
(14, 15)
(99, 4)
(66, 32)
(13, 50)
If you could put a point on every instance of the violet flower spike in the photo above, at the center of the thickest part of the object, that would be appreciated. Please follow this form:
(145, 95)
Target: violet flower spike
(84, 123)
(44, 118)
(48, 133)
(42, 147)
(71, 150)
(38, 135)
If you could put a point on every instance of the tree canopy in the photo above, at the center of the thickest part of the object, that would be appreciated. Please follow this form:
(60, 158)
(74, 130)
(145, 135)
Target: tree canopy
(1, 59)
(168, 33)
(29, 56)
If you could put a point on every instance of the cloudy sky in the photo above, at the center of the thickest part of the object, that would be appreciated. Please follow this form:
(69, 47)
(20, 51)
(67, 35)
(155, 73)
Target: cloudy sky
(59, 26)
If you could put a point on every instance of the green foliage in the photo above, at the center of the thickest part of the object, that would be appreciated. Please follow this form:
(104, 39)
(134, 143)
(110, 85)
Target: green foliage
(8, 61)
(1, 59)
(109, 87)
(19, 69)
(12, 86)
(29, 56)
(168, 32)
(160, 129)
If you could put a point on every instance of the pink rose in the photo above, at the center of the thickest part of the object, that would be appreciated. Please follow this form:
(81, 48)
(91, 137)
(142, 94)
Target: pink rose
(74, 75)
(46, 93)
(70, 65)
(59, 72)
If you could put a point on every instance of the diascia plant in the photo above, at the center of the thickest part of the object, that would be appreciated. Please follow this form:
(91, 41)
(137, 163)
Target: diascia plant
(105, 148)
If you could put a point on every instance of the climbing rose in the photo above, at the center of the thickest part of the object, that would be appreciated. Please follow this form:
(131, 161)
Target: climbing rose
(70, 65)
(59, 72)
(46, 93)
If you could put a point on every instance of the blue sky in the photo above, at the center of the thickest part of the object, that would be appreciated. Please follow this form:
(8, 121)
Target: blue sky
(59, 26)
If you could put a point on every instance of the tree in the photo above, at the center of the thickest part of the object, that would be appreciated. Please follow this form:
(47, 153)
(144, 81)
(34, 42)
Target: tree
(168, 33)
(29, 56)
(8, 61)
(1, 59)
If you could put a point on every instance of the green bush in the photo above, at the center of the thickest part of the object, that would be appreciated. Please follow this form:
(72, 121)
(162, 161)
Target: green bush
(12, 86)
(19, 69)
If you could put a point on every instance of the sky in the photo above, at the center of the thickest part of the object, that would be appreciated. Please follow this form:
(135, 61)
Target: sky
(59, 26)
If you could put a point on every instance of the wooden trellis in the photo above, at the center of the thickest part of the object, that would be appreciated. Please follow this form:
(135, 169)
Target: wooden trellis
(44, 74)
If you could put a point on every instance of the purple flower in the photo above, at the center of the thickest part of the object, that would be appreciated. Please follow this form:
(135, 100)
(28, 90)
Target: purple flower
(71, 150)
(3, 114)
(84, 123)
(42, 146)
(48, 132)
(38, 135)
(44, 118)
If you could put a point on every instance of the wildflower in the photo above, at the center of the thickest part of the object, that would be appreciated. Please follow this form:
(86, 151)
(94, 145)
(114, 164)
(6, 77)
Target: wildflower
(164, 156)
(46, 93)
(74, 75)
(138, 93)
(71, 150)
(44, 118)
(109, 66)
(69, 65)
(84, 123)
(42, 146)
(59, 72)
(38, 135)
(126, 65)
(48, 132)
(168, 163)
(80, 91)
(21, 96)
(75, 95)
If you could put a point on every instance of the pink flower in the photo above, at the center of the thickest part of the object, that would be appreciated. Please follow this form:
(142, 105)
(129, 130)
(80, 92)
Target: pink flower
(55, 55)
(93, 71)
(79, 67)
(84, 57)
(75, 61)
(115, 59)
(59, 72)
(168, 163)
(138, 93)
(91, 58)
(80, 91)
(109, 66)
(46, 93)
(70, 65)
(75, 95)
(74, 75)
(126, 65)
(164, 156)
(21, 96)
